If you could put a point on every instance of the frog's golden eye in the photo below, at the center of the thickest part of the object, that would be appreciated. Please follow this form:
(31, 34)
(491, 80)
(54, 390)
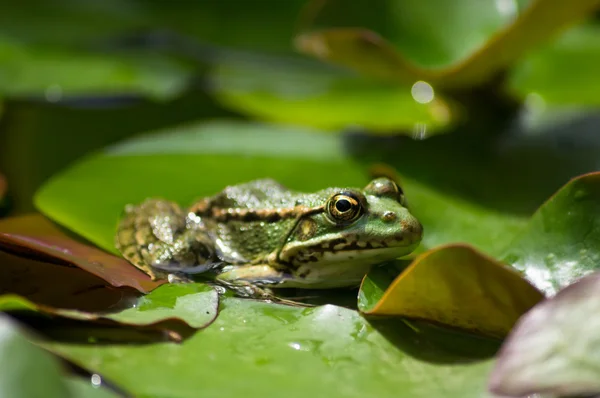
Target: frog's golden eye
(344, 208)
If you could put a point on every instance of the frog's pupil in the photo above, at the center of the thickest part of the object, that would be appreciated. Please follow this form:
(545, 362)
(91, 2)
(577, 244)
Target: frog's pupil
(343, 205)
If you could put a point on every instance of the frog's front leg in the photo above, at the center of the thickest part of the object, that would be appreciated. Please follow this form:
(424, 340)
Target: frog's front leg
(251, 280)
(154, 237)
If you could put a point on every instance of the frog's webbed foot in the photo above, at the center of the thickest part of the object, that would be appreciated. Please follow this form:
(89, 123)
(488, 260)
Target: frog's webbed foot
(154, 236)
(253, 281)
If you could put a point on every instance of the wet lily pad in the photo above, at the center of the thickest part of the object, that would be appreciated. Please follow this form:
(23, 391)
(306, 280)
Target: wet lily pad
(560, 243)
(308, 94)
(454, 286)
(420, 46)
(53, 74)
(175, 309)
(554, 348)
(34, 235)
(268, 348)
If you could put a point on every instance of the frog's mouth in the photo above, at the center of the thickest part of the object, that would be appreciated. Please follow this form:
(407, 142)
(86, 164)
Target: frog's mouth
(341, 250)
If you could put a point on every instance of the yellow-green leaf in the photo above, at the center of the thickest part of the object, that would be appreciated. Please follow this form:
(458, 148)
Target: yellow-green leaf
(372, 54)
(458, 286)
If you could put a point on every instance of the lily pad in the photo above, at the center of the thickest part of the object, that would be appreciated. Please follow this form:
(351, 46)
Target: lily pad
(560, 243)
(176, 309)
(30, 371)
(35, 235)
(563, 72)
(27, 370)
(455, 286)
(55, 74)
(300, 158)
(421, 47)
(268, 348)
(304, 93)
(554, 348)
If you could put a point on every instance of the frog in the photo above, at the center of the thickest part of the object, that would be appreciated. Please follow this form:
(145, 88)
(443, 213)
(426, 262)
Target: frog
(258, 236)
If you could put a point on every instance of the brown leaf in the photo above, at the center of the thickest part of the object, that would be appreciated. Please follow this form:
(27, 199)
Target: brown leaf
(35, 236)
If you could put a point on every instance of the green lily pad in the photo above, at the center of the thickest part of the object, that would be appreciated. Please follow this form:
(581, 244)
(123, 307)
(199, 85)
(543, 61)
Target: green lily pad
(55, 74)
(236, 152)
(176, 309)
(560, 243)
(270, 348)
(30, 371)
(455, 286)
(27, 370)
(307, 94)
(420, 46)
(564, 72)
(34, 234)
(554, 348)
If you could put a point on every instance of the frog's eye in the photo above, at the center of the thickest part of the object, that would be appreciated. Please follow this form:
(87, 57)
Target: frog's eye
(344, 208)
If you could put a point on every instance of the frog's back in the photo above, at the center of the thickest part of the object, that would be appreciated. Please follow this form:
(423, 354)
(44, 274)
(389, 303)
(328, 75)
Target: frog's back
(256, 230)
(258, 194)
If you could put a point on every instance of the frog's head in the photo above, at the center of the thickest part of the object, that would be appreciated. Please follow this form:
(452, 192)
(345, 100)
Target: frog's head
(354, 226)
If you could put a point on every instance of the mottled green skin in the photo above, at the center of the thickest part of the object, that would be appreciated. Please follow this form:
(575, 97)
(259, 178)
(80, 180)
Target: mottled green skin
(260, 234)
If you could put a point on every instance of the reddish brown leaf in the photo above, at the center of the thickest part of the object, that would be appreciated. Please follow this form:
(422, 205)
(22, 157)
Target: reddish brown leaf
(35, 236)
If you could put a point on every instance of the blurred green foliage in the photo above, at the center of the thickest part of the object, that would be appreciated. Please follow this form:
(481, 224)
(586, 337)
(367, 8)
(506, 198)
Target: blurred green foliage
(484, 108)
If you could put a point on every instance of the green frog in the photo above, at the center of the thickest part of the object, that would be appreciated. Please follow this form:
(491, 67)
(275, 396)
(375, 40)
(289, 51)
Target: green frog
(260, 235)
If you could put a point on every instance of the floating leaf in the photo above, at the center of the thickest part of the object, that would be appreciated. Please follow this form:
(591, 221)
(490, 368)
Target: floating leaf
(560, 243)
(33, 234)
(173, 308)
(56, 74)
(27, 370)
(455, 286)
(554, 348)
(302, 93)
(268, 348)
(495, 36)
(300, 158)
(563, 72)
(34, 127)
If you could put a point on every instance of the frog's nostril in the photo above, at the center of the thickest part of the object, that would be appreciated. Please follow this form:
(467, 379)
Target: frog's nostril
(389, 216)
